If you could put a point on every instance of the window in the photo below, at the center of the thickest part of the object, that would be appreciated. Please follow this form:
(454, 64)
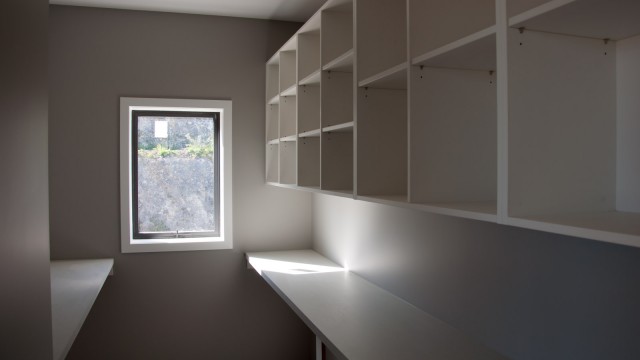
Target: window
(175, 164)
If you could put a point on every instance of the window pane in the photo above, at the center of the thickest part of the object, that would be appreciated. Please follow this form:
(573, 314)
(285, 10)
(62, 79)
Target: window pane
(176, 168)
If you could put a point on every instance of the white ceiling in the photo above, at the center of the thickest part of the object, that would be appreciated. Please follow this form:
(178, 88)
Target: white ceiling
(289, 10)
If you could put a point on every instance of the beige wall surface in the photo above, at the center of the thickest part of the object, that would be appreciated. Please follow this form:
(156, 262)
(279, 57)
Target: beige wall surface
(180, 305)
(25, 318)
(527, 294)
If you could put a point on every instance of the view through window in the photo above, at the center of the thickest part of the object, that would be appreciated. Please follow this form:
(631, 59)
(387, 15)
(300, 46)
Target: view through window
(176, 167)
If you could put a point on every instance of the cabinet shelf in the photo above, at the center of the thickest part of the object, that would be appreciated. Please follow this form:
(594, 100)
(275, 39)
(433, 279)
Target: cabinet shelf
(345, 127)
(598, 19)
(393, 200)
(273, 142)
(392, 78)
(311, 133)
(288, 138)
(290, 91)
(483, 211)
(474, 52)
(612, 226)
(274, 100)
(343, 63)
(312, 79)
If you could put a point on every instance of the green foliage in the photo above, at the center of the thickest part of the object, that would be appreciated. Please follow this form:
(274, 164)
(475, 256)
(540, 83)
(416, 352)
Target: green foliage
(197, 148)
(158, 152)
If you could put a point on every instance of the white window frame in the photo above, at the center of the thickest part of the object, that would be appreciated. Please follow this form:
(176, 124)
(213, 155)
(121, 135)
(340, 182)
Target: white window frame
(225, 240)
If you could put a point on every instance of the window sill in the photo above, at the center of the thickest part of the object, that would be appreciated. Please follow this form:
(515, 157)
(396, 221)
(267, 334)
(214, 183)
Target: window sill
(182, 244)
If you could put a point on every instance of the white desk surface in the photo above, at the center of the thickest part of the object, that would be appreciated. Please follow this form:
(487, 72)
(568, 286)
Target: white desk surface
(356, 319)
(75, 285)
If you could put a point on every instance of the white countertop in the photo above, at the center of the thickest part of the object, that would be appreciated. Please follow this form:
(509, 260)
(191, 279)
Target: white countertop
(75, 285)
(356, 319)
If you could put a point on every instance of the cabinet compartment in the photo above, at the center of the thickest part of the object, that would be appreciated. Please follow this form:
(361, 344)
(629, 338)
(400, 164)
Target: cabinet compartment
(272, 163)
(288, 126)
(272, 122)
(381, 36)
(308, 108)
(288, 162)
(337, 98)
(571, 139)
(287, 70)
(382, 143)
(436, 23)
(308, 56)
(309, 162)
(453, 139)
(273, 80)
(337, 161)
(337, 32)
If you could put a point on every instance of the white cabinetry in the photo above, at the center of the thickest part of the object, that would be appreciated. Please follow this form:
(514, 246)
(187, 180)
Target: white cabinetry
(521, 112)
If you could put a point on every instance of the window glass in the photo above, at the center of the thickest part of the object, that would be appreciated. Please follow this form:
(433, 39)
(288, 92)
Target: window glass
(176, 174)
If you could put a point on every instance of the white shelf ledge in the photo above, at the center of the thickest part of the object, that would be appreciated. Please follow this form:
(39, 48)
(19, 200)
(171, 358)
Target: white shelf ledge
(274, 100)
(345, 127)
(392, 78)
(311, 133)
(611, 226)
(474, 52)
(343, 63)
(290, 138)
(290, 91)
(356, 319)
(311, 79)
(598, 19)
(273, 142)
(75, 285)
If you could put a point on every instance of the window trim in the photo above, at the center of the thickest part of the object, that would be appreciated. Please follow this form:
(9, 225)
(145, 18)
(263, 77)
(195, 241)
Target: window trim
(225, 238)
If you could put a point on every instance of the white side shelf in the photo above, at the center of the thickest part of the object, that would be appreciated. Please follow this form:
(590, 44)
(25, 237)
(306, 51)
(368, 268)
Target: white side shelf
(75, 285)
(356, 319)
(345, 127)
(475, 52)
(343, 62)
(311, 133)
(312, 79)
(393, 78)
(290, 91)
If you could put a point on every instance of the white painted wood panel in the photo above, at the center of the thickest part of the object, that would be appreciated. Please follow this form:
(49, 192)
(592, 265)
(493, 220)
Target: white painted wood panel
(356, 319)
(628, 126)
(75, 285)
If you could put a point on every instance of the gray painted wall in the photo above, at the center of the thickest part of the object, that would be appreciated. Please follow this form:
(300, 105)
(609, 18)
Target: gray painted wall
(25, 318)
(182, 305)
(527, 294)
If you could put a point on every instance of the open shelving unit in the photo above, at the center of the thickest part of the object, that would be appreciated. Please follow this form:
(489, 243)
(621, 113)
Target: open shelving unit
(520, 112)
